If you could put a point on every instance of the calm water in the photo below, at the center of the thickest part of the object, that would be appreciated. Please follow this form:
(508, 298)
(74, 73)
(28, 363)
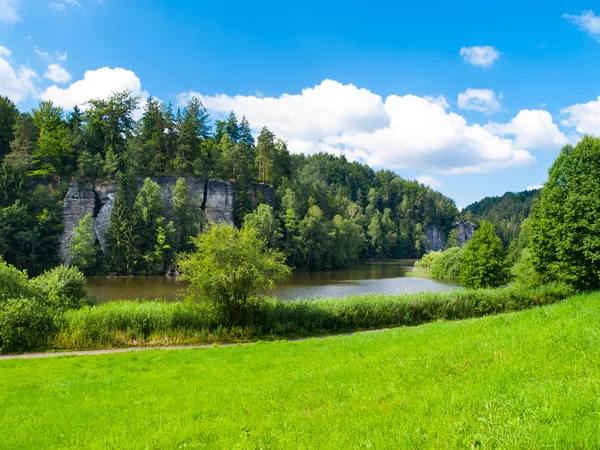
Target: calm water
(373, 277)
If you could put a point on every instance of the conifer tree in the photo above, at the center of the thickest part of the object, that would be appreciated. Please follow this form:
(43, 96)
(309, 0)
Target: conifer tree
(122, 230)
(188, 217)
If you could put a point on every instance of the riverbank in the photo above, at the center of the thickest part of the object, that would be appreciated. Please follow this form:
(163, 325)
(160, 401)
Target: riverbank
(127, 323)
(526, 380)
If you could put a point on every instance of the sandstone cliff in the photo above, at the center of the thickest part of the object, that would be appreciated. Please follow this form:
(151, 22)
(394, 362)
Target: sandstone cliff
(436, 238)
(216, 198)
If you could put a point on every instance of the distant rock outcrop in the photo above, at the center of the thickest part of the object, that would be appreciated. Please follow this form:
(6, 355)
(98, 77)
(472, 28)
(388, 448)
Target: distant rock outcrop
(215, 197)
(436, 238)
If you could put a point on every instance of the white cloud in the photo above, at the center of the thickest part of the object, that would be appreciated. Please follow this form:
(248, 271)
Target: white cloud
(59, 6)
(8, 11)
(429, 181)
(57, 74)
(15, 83)
(437, 99)
(318, 112)
(398, 132)
(480, 55)
(100, 83)
(482, 100)
(586, 21)
(584, 117)
(534, 188)
(532, 129)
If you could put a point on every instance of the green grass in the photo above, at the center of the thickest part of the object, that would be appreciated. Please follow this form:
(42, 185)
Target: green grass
(528, 379)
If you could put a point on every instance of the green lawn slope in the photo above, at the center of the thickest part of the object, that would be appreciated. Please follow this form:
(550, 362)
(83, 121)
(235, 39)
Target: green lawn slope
(523, 380)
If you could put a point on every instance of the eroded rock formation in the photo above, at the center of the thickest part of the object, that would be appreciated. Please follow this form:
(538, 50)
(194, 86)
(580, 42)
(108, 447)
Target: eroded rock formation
(436, 238)
(215, 197)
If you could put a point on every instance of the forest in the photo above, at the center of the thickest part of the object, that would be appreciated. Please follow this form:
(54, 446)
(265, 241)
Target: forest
(327, 212)
(506, 213)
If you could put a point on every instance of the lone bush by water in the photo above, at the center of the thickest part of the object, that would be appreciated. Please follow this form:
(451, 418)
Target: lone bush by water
(229, 267)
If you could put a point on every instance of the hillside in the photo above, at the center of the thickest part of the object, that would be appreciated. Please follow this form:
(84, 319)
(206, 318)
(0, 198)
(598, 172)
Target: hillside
(506, 213)
(520, 380)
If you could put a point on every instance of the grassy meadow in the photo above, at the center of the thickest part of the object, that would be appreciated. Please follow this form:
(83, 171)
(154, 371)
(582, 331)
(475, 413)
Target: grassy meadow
(528, 379)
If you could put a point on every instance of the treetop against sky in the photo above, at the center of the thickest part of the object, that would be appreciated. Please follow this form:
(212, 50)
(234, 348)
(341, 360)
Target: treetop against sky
(471, 99)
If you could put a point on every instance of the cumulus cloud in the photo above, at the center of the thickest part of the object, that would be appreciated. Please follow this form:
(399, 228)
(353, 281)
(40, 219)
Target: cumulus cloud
(584, 117)
(534, 188)
(532, 129)
(586, 21)
(482, 100)
(100, 83)
(318, 112)
(8, 11)
(397, 132)
(480, 55)
(57, 73)
(428, 180)
(17, 83)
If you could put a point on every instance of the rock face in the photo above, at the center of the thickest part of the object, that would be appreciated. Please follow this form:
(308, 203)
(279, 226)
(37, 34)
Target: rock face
(436, 238)
(79, 201)
(464, 230)
(216, 198)
(218, 206)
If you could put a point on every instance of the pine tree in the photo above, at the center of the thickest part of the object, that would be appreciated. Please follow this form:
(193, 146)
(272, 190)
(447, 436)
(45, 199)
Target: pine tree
(122, 230)
(194, 129)
(188, 217)
(265, 148)
(25, 140)
(232, 128)
(153, 139)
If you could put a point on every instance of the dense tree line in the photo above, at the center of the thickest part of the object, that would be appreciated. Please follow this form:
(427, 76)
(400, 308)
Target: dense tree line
(506, 213)
(328, 212)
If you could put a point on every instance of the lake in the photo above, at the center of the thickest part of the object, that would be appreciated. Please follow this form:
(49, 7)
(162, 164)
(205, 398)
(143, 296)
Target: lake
(379, 277)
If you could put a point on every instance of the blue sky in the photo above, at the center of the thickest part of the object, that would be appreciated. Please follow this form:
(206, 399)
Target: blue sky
(474, 98)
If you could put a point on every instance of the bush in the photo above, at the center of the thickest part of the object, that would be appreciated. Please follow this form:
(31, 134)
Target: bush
(524, 272)
(13, 282)
(25, 324)
(446, 266)
(229, 267)
(137, 323)
(62, 287)
(484, 260)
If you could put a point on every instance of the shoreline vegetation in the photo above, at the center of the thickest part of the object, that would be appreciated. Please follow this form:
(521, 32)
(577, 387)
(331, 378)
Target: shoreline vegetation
(153, 323)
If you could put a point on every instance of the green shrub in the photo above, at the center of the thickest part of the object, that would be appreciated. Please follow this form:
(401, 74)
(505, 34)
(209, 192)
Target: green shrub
(446, 266)
(13, 282)
(229, 267)
(62, 287)
(524, 272)
(484, 260)
(25, 324)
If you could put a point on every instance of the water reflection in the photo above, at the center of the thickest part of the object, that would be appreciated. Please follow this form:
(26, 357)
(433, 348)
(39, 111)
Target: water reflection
(370, 277)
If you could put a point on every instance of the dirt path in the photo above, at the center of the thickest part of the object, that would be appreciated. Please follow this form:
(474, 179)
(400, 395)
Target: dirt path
(172, 347)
